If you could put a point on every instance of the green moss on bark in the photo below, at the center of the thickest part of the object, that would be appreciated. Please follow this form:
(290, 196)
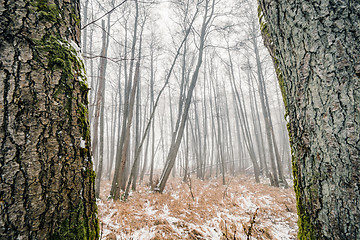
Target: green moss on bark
(282, 85)
(267, 38)
(91, 175)
(306, 228)
(76, 19)
(76, 226)
(60, 55)
(83, 113)
(56, 54)
(49, 12)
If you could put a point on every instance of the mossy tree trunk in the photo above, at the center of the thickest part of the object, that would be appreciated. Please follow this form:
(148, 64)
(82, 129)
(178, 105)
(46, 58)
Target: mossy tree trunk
(316, 48)
(46, 176)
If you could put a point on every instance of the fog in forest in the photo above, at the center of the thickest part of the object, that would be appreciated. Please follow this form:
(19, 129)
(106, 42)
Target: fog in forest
(180, 119)
(184, 97)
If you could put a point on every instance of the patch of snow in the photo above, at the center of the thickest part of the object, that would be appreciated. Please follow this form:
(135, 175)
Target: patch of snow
(165, 215)
(109, 221)
(105, 232)
(166, 209)
(175, 195)
(246, 203)
(75, 46)
(78, 55)
(149, 209)
(82, 143)
(143, 234)
(172, 220)
(61, 43)
(281, 231)
(266, 199)
(99, 202)
(207, 231)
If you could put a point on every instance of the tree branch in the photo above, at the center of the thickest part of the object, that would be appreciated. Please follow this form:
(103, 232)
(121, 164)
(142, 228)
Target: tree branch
(104, 15)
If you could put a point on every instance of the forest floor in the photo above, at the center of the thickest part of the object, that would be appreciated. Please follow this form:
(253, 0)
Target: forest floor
(236, 210)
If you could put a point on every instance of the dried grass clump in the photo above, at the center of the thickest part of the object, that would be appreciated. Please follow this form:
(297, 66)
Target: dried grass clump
(209, 210)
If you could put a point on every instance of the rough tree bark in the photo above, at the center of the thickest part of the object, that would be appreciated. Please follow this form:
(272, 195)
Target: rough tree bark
(316, 50)
(46, 176)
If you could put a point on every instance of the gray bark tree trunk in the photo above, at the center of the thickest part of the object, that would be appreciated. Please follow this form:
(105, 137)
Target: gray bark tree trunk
(124, 152)
(170, 160)
(100, 99)
(46, 176)
(118, 178)
(152, 80)
(84, 31)
(274, 178)
(242, 116)
(317, 61)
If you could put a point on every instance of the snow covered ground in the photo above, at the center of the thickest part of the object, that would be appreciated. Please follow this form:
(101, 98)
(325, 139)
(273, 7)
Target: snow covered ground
(233, 211)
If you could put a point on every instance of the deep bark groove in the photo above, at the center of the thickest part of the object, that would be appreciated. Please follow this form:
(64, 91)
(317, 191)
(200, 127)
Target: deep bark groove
(46, 177)
(317, 50)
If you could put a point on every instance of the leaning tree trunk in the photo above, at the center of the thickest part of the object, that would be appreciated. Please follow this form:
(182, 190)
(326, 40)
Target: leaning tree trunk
(46, 176)
(175, 144)
(318, 64)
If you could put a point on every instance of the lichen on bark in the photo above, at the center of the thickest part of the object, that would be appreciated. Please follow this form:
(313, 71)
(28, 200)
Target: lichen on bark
(50, 12)
(60, 55)
(315, 48)
(76, 227)
(46, 190)
(305, 226)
